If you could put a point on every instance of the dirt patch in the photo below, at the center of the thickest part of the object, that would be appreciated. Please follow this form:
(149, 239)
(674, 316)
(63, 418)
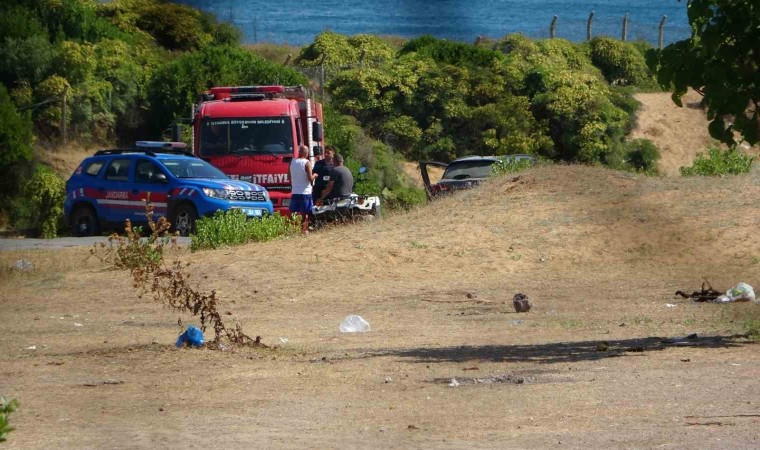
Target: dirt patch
(64, 160)
(679, 132)
(412, 170)
(600, 253)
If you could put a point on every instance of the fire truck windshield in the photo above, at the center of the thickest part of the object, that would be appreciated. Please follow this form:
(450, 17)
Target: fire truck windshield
(246, 136)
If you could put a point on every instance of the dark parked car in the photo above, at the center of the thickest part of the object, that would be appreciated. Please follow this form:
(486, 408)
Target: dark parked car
(464, 173)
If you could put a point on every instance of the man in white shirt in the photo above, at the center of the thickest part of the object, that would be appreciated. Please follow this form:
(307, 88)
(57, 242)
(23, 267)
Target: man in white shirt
(301, 178)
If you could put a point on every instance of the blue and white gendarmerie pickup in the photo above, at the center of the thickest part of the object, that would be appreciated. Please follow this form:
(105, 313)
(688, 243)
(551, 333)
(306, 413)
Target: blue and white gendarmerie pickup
(114, 185)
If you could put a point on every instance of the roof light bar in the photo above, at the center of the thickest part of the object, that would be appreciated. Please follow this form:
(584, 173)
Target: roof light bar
(160, 144)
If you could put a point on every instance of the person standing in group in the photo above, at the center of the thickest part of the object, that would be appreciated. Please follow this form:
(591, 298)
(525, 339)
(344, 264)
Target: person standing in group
(323, 169)
(341, 182)
(301, 178)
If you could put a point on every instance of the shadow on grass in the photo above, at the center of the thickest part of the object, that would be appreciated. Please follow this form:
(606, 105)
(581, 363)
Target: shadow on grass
(560, 352)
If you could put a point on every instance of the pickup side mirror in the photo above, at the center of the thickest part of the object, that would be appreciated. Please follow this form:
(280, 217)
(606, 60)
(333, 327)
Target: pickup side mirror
(317, 131)
(318, 150)
(159, 178)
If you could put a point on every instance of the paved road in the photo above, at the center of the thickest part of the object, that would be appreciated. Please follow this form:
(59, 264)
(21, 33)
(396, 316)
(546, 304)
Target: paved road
(66, 242)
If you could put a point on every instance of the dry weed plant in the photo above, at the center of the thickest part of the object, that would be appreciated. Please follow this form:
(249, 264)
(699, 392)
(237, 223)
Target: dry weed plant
(167, 283)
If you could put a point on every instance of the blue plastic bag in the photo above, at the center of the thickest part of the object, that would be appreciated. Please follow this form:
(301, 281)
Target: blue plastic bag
(193, 336)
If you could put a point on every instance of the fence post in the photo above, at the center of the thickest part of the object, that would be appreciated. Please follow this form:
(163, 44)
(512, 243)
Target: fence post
(661, 31)
(287, 60)
(361, 58)
(625, 28)
(588, 25)
(552, 27)
(64, 115)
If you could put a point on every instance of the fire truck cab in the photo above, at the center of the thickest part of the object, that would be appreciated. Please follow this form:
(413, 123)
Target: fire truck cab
(252, 133)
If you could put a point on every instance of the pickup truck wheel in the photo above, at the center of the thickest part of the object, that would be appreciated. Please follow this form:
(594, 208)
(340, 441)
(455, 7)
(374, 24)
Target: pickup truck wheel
(84, 222)
(184, 219)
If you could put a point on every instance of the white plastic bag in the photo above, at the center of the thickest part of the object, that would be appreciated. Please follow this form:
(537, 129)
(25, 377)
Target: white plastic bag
(354, 324)
(741, 291)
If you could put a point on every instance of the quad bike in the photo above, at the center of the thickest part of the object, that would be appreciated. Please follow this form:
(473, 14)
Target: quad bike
(349, 209)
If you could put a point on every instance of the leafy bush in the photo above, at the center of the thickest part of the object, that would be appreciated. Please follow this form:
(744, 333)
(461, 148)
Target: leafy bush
(174, 26)
(26, 59)
(339, 50)
(234, 228)
(45, 192)
(621, 63)
(425, 109)
(6, 408)
(15, 133)
(453, 53)
(405, 197)
(507, 165)
(176, 85)
(385, 171)
(729, 162)
(643, 155)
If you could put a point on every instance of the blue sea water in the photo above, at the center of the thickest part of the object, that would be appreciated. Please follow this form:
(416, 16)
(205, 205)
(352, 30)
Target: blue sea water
(297, 22)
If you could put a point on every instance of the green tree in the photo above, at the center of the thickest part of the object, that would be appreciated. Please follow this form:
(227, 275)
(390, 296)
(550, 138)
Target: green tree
(721, 60)
(15, 133)
(339, 50)
(176, 27)
(26, 59)
(621, 63)
(175, 86)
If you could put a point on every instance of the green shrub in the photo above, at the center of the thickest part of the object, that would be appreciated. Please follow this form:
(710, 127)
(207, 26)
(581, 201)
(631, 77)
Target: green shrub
(234, 228)
(621, 63)
(729, 162)
(385, 171)
(507, 165)
(176, 27)
(333, 48)
(339, 50)
(517, 44)
(45, 192)
(175, 86)
(6, 408)
(643, 155)
(405, 197)
(26, 59)
(15, 133)
(453, 53)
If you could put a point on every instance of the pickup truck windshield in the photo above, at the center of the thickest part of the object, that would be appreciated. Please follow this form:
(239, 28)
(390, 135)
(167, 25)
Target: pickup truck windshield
(246, 136)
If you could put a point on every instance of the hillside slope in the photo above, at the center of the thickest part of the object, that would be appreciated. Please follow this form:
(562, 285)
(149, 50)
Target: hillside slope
(679, 133)
(600, 253)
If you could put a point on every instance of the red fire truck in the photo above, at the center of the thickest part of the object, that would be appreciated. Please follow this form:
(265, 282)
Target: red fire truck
(252, 133)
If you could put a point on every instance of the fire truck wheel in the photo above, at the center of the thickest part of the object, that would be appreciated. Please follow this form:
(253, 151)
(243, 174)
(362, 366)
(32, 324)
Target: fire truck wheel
(184, 219)
(84, 222)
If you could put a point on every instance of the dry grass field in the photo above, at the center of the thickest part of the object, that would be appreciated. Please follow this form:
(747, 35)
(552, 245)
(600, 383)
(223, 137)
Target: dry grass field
(600, 361)
(600, 252)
